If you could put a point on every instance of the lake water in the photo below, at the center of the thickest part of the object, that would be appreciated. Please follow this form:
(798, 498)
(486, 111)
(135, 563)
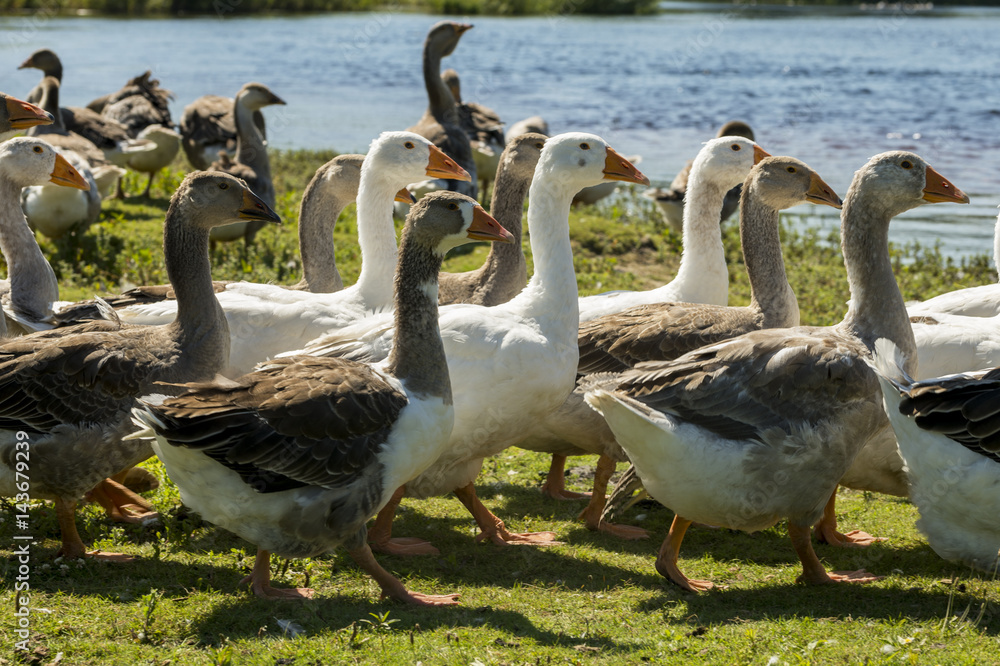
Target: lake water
(830, 86)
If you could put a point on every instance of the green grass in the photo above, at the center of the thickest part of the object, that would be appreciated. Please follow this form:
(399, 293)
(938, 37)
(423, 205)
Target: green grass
(593, 600)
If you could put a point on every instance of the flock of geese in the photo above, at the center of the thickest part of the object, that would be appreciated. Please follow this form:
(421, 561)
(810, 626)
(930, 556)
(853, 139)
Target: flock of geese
(293, 415)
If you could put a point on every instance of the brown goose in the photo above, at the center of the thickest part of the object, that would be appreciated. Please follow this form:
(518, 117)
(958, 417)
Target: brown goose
(208, 125)
(17, 116)
(440, 123)
(504, 273)
(297, 456)
(141, 102)
(72, 392)
(671, 199)
(483, 127)
(763, 426)
(250, 161)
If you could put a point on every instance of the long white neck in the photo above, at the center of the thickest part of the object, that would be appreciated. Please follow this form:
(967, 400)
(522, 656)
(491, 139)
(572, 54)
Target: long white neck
(33, 285)
(703, 271)
(551, 294)
(996, 245)
(376, 238)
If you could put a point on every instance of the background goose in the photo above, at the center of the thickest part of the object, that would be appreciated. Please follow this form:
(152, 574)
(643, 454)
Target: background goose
(522, 353)
(947, 437)
(72, 392)
(505, 272)
(534, 124)
(141, 102)
(763, 426)
(483, 127)
(245, 459)
(440, 123)
(208, 125)
(702, 276)
(670, 200)
(160, 149)
(266, 320)
(665, 331)
(17, 115)
(250, 161)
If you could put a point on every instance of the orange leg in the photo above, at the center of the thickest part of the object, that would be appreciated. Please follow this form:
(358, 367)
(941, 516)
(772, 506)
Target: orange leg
(392, 587)
(260, 581)
(813, 572)
(121, 504)
(380, 535)
(72, 545)
(591, 515)
(826, 529)
(494, 529)
(555, 482)
(666, 559)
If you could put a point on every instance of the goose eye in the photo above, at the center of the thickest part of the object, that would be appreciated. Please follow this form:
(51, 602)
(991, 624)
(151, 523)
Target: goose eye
(37, 149)
(223, 186)
(539, 145)
(791, 169)
(585, 146)
(906, 164)
(453, 206)
(736, 147)
(408, 145)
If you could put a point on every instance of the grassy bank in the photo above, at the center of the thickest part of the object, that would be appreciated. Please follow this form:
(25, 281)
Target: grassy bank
(593, 600)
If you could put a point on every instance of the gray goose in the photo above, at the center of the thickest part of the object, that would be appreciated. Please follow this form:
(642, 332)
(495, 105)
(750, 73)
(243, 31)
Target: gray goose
(483, 127)
(141, 102)
(250, 162)
(298, 455)
(208, 125)
(73, 392)
(17, 116)
(670, 200)
(763, 426)
(440, 123)
(504, 273)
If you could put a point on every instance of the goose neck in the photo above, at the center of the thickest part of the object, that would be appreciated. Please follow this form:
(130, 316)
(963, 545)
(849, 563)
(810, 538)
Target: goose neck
(376, 238)
(33, 284)
(440, 101)
(507, 206)
(318, 215)
(770, 292)
(251, 149)
(702, 232)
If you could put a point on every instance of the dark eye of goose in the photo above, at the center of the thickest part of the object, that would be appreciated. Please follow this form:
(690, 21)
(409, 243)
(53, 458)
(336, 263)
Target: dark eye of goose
(37, 149)
(539, 145)
(736, 146)
(585, 146)
(223, 186)
(408, 145)
(906, 164)
(791, 169)
(453, 206)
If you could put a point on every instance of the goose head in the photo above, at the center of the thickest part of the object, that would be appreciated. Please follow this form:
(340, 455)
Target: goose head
(26, 161)
(214, 199)
(736, 128)
(405, 157)
(896, 181)
(783, 182)
(16, 115)
(443, 220)
(584, 160)
(444, 36)
(522, 153)
(727, 161)
(45, 60)
(256, 96)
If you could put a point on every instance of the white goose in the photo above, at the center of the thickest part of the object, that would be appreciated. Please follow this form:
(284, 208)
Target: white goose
(246, 459)
(702, 277)
(265, 320)
(522, 353)
(665, 331)
(762, 427)
(947, 434)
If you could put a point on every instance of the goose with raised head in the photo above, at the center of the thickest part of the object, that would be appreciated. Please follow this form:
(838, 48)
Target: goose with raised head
(208, 125)
(522, 353)
(504, 274)
(665, 331)
(946, 430)
(246, 460)
(702, 276)
(440, 123)
(483, 127)
(762, 427)
(73, 392)
(670, 200)
(250, 162)
(265, 320)
(16, 116)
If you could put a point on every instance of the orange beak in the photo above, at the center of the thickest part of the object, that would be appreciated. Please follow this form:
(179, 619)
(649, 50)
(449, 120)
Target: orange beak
(64, 174)
(617, 167)
(759, 154)
(23, 115)
(821, 193)
(405, 196)
(254, 208)
(441, 166)
(939, 189)
(485, 228)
